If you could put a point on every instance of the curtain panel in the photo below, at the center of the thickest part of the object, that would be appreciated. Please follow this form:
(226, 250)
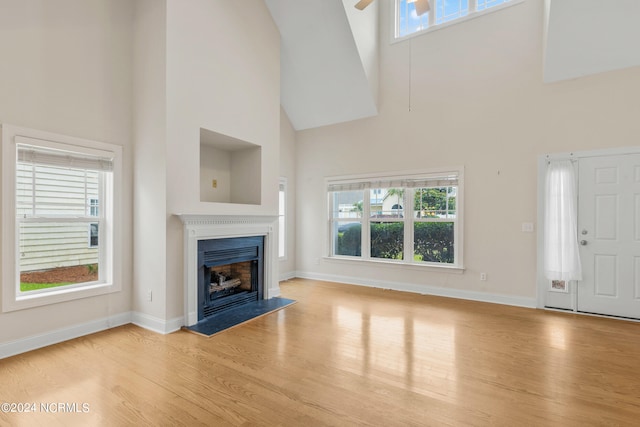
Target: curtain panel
(561, 250)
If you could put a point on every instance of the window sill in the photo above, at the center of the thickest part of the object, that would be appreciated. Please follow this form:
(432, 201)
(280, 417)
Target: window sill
(454, 269)
(39, 299)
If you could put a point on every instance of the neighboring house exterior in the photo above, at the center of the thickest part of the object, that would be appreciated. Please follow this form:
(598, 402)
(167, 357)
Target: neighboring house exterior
(384, 203)
(44, 193)
(379, 201)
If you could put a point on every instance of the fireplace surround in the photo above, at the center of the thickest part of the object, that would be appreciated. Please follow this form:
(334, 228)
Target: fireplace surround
(198, 228)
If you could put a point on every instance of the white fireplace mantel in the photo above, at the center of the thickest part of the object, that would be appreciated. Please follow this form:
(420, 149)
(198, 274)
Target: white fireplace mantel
(205, 227)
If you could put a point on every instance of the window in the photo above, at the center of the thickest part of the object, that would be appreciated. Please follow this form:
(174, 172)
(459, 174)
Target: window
(93, 207)
(347, 207)
(282, 224)
(442, 12)
(435, 223)
(60, 191)
(387, 223)
(93, 227)
(93, 235)
(413, 219)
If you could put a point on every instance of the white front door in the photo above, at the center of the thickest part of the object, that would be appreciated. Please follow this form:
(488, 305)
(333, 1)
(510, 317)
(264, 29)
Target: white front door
(609, 234)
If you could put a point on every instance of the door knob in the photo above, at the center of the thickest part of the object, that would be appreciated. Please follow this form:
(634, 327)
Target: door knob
(583, 242)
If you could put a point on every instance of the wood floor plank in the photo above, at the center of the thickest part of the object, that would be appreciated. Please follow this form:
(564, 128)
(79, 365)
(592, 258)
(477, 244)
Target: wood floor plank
(344, 355)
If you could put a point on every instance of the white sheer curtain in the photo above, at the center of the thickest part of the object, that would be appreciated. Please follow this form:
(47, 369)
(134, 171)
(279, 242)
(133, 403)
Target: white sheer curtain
(561, 254)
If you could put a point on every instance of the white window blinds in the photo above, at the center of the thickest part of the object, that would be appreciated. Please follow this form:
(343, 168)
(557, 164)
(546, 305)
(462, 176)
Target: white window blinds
(39, 155)
(448, 179)
(59, 180)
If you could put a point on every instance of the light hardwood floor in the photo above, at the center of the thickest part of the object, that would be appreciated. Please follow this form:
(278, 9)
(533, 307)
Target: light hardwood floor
(344, 355)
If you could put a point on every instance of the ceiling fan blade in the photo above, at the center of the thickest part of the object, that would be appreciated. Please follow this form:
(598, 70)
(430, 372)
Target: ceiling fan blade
(362, 4)
(422, 7)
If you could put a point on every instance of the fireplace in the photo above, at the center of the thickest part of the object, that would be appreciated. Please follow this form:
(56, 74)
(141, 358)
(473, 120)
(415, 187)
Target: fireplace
(200, 228)
(230, 273)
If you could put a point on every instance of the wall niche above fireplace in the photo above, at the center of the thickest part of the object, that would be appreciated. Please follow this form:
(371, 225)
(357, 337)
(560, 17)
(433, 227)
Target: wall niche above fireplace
(230, 169)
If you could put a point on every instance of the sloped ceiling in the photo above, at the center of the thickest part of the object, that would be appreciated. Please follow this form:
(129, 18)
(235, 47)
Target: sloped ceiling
(586, 37)
(329, 51)
(329, 60)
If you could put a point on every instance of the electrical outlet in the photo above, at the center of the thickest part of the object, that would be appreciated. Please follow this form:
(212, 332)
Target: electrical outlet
(483, 276)
(149, 295)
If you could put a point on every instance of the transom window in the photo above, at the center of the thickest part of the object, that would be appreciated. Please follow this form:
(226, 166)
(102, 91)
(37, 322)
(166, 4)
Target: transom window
(403, 219)
(441, 12)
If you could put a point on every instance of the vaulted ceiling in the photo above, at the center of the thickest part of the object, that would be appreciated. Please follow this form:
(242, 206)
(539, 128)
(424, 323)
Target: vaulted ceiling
(586, 37)
(329, 51)
(329, 60)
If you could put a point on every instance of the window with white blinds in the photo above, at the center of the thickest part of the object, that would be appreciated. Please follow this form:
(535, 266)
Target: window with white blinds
(60, 214)
(413, 219)
(62, 192)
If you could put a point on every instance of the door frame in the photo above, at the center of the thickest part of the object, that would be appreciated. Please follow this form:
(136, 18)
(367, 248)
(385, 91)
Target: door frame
(569, 300)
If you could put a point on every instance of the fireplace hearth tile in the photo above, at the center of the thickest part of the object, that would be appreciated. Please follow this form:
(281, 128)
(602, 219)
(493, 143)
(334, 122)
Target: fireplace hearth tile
(230, 318)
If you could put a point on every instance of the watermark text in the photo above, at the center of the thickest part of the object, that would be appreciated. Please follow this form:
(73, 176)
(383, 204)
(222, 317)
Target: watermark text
(46, 407)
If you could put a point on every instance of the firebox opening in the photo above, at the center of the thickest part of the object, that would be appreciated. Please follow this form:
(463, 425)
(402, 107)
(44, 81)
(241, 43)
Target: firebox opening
(231, 273)
(230, 279)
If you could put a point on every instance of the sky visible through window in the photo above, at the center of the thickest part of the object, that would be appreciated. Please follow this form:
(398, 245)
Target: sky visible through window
(444, 11)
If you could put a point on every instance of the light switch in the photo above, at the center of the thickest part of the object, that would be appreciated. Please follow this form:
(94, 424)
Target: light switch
(214, 183)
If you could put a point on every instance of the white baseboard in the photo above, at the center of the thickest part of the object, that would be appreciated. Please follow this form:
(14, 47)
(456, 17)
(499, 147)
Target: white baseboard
(274, 292)
(156, 324)
(23, 345)
(287, 276)
(423, 289)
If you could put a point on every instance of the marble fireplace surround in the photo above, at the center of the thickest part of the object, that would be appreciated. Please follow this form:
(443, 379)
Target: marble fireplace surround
(205, 227)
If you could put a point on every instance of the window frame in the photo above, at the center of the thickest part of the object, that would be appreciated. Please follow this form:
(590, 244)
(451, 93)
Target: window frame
(282, 188)
(110, 230)
(409, 220)
(432, 26)
(358, 219)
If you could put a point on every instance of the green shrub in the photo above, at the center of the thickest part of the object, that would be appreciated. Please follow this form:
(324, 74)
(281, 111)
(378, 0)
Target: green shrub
(350, 242)
(434, 241)
(387, 240)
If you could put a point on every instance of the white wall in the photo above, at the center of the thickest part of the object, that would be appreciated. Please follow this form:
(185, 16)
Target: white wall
(215, 164)
(223, 74)
(246, 172)
(150, 157)
(288, 171)
(65, 67)
(477, 99)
